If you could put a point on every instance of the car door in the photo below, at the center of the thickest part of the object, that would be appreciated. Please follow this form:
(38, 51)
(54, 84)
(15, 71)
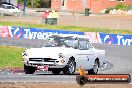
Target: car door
(14, 9)
(85, 55)
(7, 9)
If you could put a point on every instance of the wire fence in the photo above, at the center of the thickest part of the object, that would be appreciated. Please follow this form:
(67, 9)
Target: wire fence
(69, 19)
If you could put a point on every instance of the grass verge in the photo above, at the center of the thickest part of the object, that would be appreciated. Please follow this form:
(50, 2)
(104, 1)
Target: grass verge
(10, 57)
(70, 28)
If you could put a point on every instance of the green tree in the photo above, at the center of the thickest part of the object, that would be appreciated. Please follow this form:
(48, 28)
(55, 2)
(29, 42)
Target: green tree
(121, 6)
(37, 3)
(45, 3)
(30, 3)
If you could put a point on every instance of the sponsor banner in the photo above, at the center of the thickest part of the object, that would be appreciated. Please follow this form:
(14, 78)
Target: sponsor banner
(116, 39)
(92, 36)
(34, 33)
(4, 32)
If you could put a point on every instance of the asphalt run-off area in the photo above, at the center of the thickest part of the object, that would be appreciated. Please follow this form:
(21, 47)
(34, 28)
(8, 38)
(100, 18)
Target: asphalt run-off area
(118, 62)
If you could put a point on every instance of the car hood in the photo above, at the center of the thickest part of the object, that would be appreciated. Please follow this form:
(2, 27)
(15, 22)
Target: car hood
(48, 52)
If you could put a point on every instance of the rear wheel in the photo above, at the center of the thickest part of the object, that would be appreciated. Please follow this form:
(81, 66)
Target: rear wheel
(70, 67)
(56, 71)
(95, 68)
(29, 69)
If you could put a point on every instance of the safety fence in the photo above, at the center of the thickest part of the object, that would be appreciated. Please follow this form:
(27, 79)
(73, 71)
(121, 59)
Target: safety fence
(37, 33)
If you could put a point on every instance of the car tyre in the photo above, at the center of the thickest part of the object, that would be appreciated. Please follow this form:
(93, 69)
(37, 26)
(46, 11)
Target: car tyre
(29, 69)
(95, 68)
(70, 67)
(56, 71)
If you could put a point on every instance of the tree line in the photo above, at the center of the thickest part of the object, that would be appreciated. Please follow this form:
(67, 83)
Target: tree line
(36, 3)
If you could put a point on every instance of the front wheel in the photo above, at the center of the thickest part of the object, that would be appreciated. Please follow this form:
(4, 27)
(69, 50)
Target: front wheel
(70, 67)
(29, 69)
(95, 68)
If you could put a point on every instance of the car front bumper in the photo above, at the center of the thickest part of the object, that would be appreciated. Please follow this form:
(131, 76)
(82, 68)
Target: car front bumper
(50, 64)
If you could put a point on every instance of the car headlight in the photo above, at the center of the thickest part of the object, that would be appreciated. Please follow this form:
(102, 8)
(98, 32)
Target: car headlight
(24, 53)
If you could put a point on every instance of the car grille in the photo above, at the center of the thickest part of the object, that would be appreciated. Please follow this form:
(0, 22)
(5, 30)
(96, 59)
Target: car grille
(43, 60)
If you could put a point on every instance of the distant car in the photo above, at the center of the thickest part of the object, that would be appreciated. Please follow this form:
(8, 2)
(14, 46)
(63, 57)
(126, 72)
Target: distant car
(64, 53)
(7, 9)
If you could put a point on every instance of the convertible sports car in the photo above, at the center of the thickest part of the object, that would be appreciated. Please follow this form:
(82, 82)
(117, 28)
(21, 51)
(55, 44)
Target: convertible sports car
(64, 53)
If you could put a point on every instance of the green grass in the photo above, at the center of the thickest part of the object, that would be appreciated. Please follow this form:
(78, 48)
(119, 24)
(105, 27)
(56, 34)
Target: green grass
(11, 57)
(71, 28)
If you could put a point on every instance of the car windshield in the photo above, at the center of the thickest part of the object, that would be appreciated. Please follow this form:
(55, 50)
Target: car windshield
(8, 7)
(61, 42)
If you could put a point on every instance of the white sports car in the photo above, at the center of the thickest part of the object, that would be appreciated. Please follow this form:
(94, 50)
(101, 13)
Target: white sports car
(64, 53)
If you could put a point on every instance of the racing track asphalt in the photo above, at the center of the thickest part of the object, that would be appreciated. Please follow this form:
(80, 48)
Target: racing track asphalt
(119, 60)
